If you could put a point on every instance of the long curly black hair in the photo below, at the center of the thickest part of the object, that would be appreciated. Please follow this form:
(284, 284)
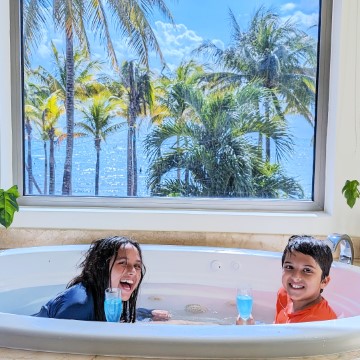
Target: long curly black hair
(96, 270)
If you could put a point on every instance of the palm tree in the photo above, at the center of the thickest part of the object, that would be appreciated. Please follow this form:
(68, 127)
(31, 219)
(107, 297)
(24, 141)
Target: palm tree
(136, 90)
(35, 13)
(98, 112)
(85, 83)
(279, 56)
(32, 99)
(30, 114)
(39, 110)
(73, 17)
(216, 147)
(170, 94)
(270, 182)
(55, 81)
(42, 109)
(51, 114)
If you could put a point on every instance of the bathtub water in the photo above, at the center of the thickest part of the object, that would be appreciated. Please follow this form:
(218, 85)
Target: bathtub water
(185, 302)
(176, 277)
(208, 304)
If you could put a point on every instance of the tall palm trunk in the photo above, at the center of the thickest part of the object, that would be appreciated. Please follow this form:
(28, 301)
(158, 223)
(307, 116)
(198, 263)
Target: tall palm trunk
(131, 156)
(28, 129)
(135, 175)
(267, 140)
(69, 104)
(260, 136)
(45, 168)
(131, 159)
(45, 154)
(97, 167)
(178, 170)
(51, 134)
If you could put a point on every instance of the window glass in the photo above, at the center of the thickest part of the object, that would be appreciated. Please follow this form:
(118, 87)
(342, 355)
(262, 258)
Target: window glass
(172, 99)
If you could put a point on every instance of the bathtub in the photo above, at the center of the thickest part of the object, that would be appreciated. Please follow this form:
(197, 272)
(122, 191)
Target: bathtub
(216, 272)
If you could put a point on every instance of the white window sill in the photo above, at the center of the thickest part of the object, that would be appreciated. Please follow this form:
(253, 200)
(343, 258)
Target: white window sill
(317, 222)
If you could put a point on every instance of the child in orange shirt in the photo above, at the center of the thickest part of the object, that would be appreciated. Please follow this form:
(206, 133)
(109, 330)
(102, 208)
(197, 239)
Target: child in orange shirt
(306, 264)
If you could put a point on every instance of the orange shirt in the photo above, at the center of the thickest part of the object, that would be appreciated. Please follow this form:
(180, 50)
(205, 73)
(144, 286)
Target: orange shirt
(318, 312)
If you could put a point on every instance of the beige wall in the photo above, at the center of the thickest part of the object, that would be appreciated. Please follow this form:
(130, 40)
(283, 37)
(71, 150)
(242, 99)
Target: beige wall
(13, 238)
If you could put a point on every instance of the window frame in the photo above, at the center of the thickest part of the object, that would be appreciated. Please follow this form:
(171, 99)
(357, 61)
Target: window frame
(232, 204)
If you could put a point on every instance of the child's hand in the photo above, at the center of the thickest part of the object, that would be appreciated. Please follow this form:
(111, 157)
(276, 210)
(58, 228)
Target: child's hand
(160, 315)
(249, 321)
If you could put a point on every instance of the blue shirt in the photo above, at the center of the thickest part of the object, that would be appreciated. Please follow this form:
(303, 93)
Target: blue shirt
(76, 304)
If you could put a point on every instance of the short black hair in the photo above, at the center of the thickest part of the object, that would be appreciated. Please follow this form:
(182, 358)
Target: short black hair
(308, 245)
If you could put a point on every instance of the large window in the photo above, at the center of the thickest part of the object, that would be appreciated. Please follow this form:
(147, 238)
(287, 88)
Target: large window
(190, 103)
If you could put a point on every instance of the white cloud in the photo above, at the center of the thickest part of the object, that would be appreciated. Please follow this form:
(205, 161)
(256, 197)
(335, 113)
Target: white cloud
(307, 20)
(58, 42)
(287, 7)
(177, 41)
(43, 51)
(219, 43)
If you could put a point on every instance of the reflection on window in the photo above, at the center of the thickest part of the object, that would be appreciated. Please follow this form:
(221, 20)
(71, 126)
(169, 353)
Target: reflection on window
(170, 99)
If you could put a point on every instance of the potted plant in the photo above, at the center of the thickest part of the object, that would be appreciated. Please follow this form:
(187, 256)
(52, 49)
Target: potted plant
(8, 205)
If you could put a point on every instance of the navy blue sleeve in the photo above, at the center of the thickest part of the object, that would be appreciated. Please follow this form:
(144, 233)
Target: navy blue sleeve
(73, 303)
(142, 314)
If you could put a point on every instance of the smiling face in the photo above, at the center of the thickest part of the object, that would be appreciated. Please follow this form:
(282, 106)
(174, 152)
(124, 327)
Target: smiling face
(126, 271)
(301, 279)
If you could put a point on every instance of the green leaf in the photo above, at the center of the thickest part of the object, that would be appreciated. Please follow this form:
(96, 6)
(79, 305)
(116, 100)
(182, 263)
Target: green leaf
(351, 192)
(8, 205)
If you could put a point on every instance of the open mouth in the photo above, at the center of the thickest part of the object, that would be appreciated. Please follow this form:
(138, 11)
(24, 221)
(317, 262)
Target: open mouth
(126, 284)
(296, 286)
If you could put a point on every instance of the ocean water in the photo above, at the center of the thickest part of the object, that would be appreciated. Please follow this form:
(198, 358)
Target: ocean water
(113, 170)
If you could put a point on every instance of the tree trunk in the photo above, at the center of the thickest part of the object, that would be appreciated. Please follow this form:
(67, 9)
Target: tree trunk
(267, 140)
(51, 133)
(45, 168)
(97, 168)
(135, 175)
(34, 181)
(178, 171)
(28, 130)
(131, 158)
(45, 153)
(69, 104)
(130, 161)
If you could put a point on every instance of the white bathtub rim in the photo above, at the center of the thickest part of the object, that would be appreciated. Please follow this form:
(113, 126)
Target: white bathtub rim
(145, 247)
(157, 340)
(82, 248)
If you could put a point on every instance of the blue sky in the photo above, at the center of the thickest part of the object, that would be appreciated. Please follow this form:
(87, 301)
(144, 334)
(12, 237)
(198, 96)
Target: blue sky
(209, 18)
(199, 20)
(196, 21)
